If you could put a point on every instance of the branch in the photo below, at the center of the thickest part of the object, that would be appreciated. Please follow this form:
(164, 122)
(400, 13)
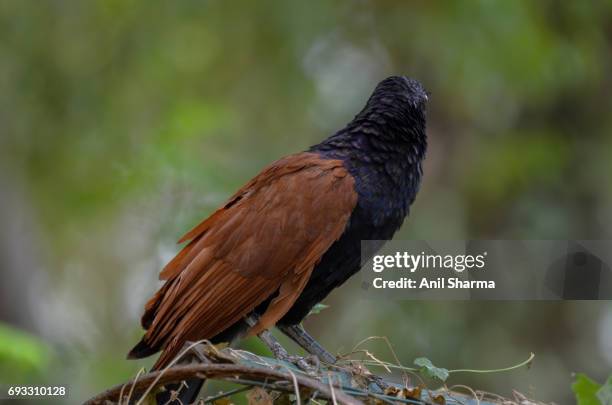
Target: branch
(223, 371)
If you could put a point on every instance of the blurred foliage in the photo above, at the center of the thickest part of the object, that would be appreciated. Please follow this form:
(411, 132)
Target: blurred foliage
(588, 392)
(123, 123)
(23, 357)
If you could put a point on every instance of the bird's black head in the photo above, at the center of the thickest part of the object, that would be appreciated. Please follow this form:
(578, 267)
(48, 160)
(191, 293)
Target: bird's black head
(393, 119)
(397, 106)
(401, 91)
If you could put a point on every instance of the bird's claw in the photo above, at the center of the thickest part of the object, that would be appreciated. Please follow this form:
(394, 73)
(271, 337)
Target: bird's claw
(308, 364)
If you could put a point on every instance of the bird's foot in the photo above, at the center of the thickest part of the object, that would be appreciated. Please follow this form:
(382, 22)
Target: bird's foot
(309, 364)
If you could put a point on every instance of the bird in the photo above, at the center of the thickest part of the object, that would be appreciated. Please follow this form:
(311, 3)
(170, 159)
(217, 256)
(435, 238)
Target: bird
(293, 233)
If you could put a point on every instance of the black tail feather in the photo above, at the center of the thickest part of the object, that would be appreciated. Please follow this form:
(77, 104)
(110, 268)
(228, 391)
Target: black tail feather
(141, 350)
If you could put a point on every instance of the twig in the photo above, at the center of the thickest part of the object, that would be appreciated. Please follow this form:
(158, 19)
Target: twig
(331, 387)
(296, 386)
(140, 372)
(390, 346)
(223, 371)
(498, 370)
(469, 389)
(227, 394)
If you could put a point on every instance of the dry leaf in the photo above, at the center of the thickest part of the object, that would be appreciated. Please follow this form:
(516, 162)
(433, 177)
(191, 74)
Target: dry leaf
(391, 391)
(413, 393)
(439, 399)
(259, 396)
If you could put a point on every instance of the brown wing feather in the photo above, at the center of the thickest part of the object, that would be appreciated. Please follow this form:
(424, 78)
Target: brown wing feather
(267, 238)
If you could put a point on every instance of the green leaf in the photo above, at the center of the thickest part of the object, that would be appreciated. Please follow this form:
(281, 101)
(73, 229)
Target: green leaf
(585, 390)
(427, 368)
(317, 309)
(605, 392)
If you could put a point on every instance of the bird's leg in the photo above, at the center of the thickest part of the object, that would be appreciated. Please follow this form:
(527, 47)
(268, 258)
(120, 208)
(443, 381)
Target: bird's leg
(307, 342)
(279, 352)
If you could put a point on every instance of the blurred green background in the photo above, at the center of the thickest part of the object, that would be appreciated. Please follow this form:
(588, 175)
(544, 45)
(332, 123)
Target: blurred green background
(123, 123)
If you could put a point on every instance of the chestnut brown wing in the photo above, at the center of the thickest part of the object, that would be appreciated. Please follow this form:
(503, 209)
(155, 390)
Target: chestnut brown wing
(267, 238)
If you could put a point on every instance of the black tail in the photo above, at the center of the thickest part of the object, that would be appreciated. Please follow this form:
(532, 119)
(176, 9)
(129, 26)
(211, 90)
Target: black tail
(142, 350)
(187, 391)
(183, 393)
